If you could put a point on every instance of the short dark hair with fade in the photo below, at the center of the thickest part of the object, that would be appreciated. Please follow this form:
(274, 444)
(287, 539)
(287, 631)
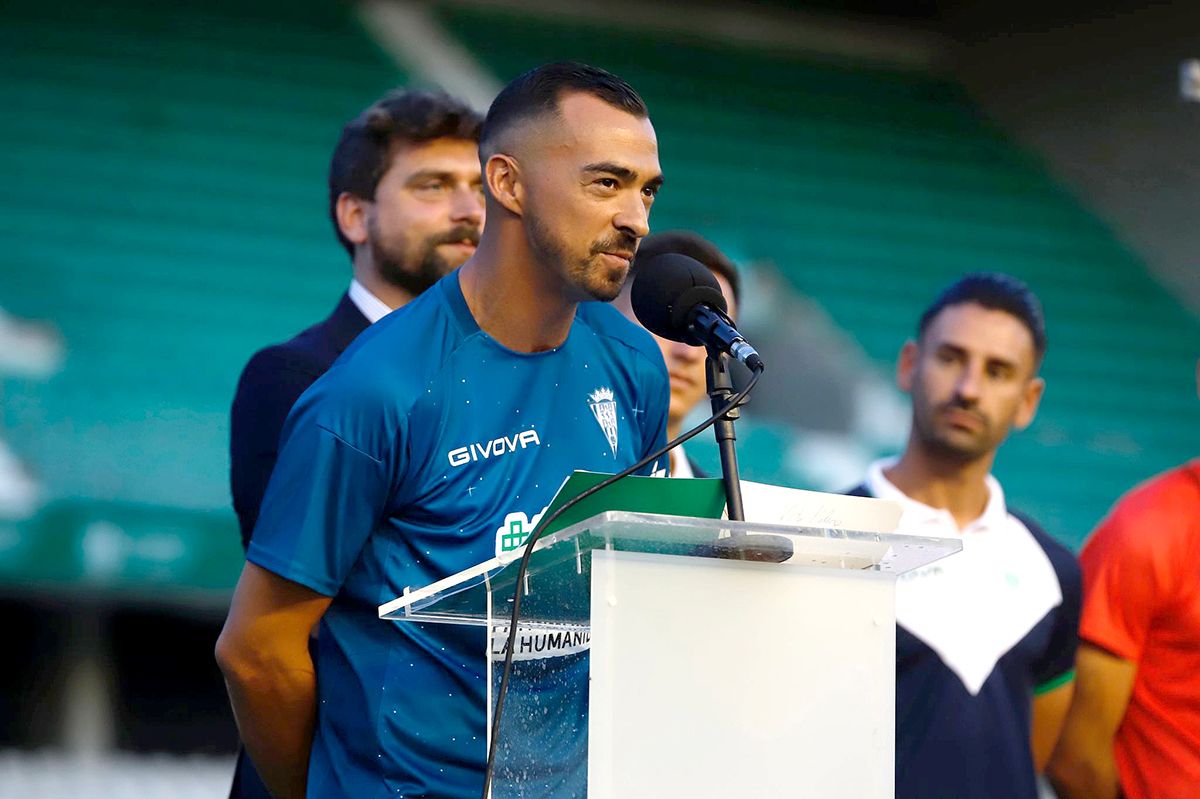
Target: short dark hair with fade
(539, 90)
(998, 292)
(694, 246)
(370, 140)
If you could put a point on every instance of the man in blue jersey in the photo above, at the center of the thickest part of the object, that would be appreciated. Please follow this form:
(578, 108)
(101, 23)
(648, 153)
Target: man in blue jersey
(430, 444)
(986, 639)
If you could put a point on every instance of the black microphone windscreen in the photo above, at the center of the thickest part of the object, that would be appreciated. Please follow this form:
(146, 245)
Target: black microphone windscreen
(667, 288)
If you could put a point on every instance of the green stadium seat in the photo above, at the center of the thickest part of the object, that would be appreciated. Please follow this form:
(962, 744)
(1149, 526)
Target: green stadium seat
(165, 209)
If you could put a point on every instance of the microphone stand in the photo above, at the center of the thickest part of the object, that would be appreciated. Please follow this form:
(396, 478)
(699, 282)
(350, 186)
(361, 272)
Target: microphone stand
(720, 391)
(738, 545)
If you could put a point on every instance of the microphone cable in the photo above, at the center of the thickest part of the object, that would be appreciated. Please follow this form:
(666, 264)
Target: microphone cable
(518, 591)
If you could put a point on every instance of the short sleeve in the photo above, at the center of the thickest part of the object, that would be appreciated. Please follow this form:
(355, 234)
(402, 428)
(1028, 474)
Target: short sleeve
(1057, 666)
(1123, 582)
(338, 463)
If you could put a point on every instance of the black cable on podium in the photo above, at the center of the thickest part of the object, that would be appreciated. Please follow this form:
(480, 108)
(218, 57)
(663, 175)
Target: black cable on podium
(679, 299)
(523, 568)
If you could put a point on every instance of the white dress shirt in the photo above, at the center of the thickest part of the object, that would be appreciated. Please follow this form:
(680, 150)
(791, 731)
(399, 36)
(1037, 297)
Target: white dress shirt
(680, 465)
(371, 306)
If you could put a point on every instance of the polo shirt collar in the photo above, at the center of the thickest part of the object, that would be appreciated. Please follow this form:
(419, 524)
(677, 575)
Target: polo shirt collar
(993, 518)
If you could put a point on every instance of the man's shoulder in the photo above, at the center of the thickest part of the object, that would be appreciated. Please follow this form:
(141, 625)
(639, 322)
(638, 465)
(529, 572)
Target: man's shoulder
(392, 361)
(410, 337)
(298, 354)
(1162, 497)
(1152, 519)
(314, 349)
(1065, 564)
(610, 324)
(1182, 481)
(284, 369)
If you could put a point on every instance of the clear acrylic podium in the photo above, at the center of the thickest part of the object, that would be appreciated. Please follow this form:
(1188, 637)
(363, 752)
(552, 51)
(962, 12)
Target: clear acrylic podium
(646, 665)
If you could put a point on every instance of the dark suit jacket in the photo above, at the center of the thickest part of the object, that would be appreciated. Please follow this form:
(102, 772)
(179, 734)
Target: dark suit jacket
(269, 386)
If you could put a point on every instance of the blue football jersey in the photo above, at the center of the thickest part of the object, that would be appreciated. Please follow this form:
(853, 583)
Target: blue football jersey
(427, 448)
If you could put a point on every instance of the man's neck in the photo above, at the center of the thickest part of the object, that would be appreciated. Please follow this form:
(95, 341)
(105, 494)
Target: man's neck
(514, 299)
(954, 486)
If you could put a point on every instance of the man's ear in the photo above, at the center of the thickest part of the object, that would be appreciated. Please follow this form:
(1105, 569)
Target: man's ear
(502, 174)
(1029, 403)
(351, 212)
(906, 365)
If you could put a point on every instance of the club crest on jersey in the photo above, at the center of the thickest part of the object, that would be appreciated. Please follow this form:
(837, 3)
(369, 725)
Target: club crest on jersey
(604, 408)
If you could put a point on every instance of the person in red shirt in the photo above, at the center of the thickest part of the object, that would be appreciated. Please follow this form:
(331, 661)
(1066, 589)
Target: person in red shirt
(1133, 729)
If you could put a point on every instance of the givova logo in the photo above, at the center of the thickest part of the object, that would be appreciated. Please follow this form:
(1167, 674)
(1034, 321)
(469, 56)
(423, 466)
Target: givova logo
(516, 528)
(460, 456)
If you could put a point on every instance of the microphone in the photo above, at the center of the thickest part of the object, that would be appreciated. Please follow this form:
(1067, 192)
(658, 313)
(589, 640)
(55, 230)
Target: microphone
(678, 298)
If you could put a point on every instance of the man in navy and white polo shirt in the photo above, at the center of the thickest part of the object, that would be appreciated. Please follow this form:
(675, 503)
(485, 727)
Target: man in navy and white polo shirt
(986, 639)
(434, 437)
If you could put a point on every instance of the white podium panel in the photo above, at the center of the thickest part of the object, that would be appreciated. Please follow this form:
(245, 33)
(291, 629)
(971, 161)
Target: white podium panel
(729, 678)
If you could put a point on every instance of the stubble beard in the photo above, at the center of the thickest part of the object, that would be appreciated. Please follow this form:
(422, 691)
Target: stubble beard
(587, 275)
(427, 267)
(946, 447)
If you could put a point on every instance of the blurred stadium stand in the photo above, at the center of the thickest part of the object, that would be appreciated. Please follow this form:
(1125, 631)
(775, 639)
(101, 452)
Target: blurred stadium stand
(164, 217)
(164, 213)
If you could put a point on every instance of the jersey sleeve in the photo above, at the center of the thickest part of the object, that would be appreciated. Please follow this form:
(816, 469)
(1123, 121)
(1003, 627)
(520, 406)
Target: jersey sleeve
(341, 456)
(1057, 666)
(1124, 577)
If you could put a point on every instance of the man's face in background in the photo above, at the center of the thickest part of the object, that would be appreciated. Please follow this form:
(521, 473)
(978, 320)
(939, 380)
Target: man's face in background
(427, 213)
(972, 377)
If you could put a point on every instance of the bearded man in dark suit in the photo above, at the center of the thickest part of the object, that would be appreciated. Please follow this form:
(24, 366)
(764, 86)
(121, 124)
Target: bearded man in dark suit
(406, 202)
